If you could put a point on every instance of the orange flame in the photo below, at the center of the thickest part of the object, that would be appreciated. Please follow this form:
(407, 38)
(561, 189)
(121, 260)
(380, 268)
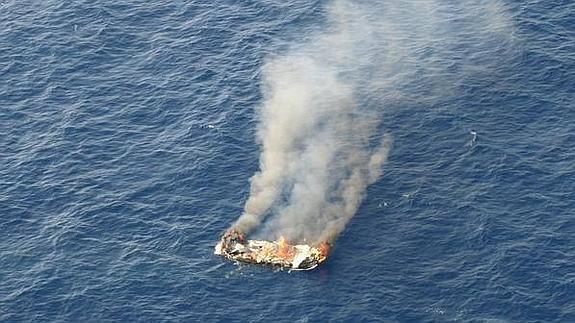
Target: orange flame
(324, 250)
(285, 250)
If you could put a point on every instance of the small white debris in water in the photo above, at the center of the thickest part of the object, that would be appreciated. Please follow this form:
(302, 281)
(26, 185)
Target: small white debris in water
(473, 140)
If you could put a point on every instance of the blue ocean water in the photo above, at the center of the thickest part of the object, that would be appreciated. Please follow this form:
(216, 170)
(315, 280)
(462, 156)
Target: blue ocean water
(128, 138)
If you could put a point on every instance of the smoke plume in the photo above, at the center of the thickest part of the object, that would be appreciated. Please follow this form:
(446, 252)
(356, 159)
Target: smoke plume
(320, 136)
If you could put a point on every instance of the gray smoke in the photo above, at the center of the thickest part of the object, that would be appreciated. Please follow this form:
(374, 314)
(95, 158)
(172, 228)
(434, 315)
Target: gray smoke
(321, 148)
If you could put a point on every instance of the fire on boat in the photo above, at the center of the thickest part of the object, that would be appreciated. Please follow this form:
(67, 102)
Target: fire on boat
(234, 245)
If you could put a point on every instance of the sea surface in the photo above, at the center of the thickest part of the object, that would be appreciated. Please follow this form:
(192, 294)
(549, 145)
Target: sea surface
(128, 135)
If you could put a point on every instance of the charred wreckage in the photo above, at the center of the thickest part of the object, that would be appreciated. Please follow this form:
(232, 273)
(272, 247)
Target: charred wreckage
(234, 245)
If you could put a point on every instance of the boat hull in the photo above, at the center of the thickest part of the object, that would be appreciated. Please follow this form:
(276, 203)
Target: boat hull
(235, 247)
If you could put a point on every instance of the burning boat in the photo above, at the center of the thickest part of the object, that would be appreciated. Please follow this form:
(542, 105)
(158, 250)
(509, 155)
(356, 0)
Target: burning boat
(233, 245)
